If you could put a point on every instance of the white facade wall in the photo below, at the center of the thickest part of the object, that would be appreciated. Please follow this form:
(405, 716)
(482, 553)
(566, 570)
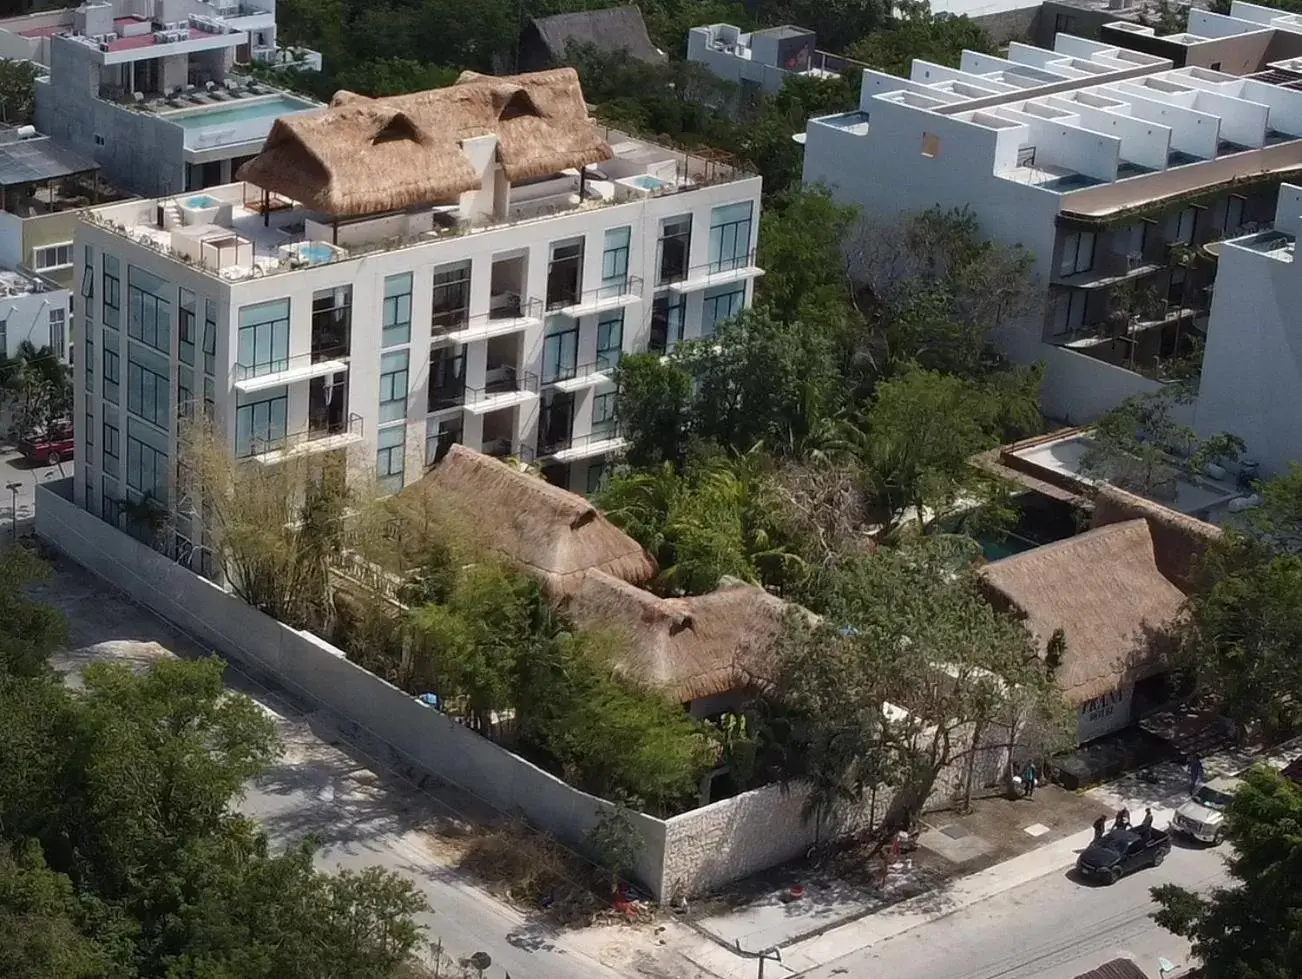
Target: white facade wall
(366, 276)
(31, 315)
(1251, 383)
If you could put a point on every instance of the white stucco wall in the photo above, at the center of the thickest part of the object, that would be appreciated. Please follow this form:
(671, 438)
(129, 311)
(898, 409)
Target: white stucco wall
(1251, 382)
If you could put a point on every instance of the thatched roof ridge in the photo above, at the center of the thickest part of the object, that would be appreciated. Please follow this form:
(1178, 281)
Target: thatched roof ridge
(610, 30)
(360, 158)
(366, 156)
(688, 648)
(1180, 541)
(1103, 588)
(548, 532)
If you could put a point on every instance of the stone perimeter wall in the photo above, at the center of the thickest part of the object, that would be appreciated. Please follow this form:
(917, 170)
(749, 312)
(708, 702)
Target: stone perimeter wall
(687, 855)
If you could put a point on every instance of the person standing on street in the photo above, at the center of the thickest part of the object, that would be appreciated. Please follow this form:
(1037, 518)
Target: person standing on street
(1195, 772)
(1123, 819)
(1146, 824)
(1100, 827)
(1028, 780)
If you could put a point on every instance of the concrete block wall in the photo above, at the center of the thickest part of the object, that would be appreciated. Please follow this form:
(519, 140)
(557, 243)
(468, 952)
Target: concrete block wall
(687, 855)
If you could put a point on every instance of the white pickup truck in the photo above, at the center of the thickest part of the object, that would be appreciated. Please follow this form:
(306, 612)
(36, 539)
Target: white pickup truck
(1202, 816)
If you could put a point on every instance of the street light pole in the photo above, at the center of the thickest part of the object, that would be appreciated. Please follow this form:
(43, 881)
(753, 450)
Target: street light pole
(13, 506)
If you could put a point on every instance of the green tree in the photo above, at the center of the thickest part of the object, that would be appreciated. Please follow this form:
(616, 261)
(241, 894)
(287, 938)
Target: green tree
(1141, 446)
(607, 737)
(42, 923)
(1250, 929)
(915, 32)
(654, 402)
(37, 387)
(800, 249)
(615, 843)
(923, 428)
(18, 91)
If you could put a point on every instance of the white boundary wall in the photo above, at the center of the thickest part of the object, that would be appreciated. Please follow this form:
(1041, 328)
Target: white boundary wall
(688, 854)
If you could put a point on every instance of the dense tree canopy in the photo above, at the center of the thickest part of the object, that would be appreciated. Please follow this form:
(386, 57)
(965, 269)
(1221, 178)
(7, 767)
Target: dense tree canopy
(1251, 929)
(120, 852)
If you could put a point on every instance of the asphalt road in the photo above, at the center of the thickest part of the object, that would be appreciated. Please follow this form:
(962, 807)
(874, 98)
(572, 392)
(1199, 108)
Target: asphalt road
(1053, 928)
(324, 786)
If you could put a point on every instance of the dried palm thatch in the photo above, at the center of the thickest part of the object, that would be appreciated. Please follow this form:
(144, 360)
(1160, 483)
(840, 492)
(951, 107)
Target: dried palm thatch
(366, 156)
(1179, 541)
(548, 532)
(1103, 589)
(687, 648)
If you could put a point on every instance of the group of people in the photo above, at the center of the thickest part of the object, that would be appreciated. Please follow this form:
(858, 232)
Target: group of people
(1122, 821)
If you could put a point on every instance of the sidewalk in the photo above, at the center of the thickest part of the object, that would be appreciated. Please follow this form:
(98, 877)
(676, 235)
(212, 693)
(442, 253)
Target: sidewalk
(959, 894)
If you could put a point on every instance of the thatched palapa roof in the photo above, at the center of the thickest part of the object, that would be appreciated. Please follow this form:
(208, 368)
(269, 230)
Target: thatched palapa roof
(548, 532)
(367, 156)
(686, 647)
(1179, 541)
(1103, 588)
(610, 31)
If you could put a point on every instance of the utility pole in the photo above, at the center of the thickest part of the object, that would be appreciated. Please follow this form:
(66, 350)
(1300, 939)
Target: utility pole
(13, 489)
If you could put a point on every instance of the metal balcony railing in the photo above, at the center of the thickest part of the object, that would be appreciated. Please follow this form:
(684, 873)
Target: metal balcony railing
(506, 379)
(509, 308)
(350, 424)
(569, 372)
(555, 446)
(608, 295)
(447, 396)
(279, 365)
(722, 265)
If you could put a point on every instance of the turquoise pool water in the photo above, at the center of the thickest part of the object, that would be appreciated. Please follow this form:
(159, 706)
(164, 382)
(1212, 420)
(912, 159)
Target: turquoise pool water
(239, 112)
(647, 182)
(315, 251)
(201, 200)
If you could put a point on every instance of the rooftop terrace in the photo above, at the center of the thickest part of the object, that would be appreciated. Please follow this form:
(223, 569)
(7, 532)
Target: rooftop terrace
(240, 231)
(1109, 126)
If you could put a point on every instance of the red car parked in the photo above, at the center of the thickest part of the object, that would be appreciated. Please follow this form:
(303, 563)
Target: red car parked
(48, 449)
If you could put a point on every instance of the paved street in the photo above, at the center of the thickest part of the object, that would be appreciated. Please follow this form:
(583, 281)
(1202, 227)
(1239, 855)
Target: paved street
(1053, 928)
(323, 786)
(15, 469)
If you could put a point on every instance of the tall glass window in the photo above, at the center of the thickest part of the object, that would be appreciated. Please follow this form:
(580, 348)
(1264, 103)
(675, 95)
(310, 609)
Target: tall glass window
(264, 338)
(209, 336)
(610, 339)
(112, 291)
(565, 273)
(149, 309)
(186, 327)
(451, 308)
(393, 385)
(560, 349)
(148, 395)
(604, 421)
(260, 426)
(730, 237)
(721, 304)
(389, 457)
(614, 260)
(397, 310)
(146, 469)
(675, 248)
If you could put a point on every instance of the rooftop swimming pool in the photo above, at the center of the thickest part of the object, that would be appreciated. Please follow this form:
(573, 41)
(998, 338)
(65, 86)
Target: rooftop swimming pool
(207, 117)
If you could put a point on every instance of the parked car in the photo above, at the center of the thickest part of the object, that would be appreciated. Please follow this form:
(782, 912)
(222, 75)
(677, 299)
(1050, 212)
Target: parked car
(1201, 818)
(48, 448)
(1116, 854)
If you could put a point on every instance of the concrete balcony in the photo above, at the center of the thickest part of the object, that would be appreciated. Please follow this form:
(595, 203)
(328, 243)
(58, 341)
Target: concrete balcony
(507, 313)
(612, 295)
(300, 367)
(503, 387)
(313, 440)
(579, 447)
(723, 272)
(571, 379)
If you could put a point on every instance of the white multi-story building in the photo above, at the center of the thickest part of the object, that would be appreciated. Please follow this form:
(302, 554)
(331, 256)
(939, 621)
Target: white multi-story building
(1251, 382)
(762, 60)
(144, 87)
(1107, 165)
(462, 265)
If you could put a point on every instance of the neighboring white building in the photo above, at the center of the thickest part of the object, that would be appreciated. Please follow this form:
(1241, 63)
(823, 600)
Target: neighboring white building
(472, 265)
(144, 87)
(1106, 164)
(1251, 383)
(32, 310)
(761, 60)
